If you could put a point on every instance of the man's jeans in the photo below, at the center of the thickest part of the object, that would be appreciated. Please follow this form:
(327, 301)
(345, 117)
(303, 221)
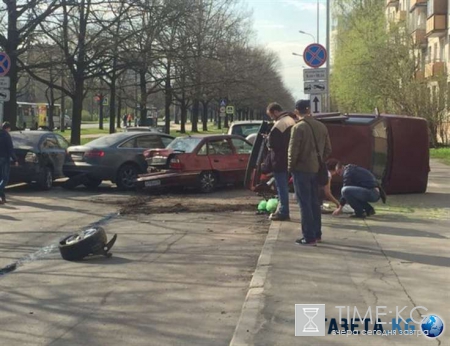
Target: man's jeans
(358, 198)
(307, 192)
(4, 175)
(282, 181)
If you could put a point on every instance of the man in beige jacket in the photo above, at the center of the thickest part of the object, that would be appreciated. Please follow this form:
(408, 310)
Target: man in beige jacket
(304, 166)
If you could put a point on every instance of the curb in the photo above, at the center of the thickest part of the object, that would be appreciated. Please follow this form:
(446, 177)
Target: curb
(250, 319)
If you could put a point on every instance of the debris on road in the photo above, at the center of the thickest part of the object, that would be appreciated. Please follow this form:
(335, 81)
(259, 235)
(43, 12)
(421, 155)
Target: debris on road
(92, 241)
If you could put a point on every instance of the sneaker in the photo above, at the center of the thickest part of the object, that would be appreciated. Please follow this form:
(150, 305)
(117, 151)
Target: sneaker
(302, 241)
(370, 212)
(279, 217)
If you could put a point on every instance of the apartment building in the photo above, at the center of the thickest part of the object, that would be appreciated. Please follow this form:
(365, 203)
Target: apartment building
(428, 22)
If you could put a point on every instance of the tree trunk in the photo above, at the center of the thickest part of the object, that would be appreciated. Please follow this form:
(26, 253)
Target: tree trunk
(205, 116)
(168, 100)
(177, 119)
(143, 101)
(112, 105)
(183, 109)
(10, 109)
(76, 112)
(100, 111)
(194, 116)
(119, 111)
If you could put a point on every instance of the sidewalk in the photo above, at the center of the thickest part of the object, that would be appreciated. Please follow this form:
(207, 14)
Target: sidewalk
(400, 257)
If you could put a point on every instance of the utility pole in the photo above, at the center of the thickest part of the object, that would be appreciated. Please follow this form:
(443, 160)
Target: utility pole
(318, 22)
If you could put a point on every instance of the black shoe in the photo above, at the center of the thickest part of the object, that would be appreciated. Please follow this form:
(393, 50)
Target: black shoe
(358, 216)
(370, 212)
(303, 241)
(279, 217)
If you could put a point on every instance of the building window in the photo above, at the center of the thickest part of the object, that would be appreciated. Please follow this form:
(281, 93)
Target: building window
(435, 53)
(442, 49)
(430, 8)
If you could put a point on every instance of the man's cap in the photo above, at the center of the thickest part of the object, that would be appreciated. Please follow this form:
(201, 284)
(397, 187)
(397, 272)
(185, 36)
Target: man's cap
(303, 106)
(6, 125)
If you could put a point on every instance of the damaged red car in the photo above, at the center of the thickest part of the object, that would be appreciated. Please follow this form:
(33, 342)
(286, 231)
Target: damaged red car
(203, 162)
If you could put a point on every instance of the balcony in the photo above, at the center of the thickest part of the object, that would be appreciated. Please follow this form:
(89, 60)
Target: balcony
(419, 38)
(434, 69)
(436, 25)
(416, 3)
(392, 2)
(400, 16)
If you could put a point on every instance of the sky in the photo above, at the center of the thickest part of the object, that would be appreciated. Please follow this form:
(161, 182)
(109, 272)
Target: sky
(277, 24)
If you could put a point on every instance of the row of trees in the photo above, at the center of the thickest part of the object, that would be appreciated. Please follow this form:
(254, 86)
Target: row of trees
(377, 64)
(195, 52)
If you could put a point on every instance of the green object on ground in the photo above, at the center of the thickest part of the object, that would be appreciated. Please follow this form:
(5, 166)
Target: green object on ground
(272, 205)
(262, 205)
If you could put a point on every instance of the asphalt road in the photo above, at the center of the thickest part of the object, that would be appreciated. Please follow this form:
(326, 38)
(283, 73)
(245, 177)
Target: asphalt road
(174, 279)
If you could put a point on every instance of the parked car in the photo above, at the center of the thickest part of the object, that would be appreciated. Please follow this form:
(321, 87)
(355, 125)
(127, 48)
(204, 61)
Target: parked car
(41, 156)
(197, 161)
(244, 128)
(143, 129)
(394, 147)
(117, 157)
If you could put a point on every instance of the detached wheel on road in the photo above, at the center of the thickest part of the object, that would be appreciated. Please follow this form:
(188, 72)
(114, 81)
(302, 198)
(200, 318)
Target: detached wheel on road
(77, 246)
(126, 177)
(45, 180)
(208, 181)
(91, 183)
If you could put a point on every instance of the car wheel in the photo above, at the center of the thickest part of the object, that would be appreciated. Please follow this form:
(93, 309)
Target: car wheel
(126, 177)
(79, 245)
(92, 183)
(208, 181)
(45, 181)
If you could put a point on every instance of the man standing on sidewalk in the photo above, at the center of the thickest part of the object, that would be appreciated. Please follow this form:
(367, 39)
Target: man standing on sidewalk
(303, 163)
(278, 150)
(6, 153)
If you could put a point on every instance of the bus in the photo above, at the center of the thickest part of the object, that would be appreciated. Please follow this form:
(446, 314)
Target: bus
(35, 115)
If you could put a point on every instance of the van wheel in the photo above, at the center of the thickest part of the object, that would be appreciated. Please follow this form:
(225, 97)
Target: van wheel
(79, 245)
(45, 180)
(208, 181)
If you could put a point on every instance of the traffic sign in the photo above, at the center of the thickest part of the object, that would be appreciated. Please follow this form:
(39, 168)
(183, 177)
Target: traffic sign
(4, 83)
(4, 95)
(222, 109)
(315, 55)
(313, 74)
(315, 87)
(5, 64)
(316, 103)
(230, 110)
(223, 103)
(222, 115)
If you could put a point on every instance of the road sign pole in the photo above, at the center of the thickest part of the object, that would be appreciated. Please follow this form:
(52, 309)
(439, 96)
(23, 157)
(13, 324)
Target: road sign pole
(1, 112)
(328, 109)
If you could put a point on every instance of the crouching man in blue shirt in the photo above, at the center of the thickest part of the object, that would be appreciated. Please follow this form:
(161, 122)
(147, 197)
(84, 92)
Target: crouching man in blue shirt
(360, 188)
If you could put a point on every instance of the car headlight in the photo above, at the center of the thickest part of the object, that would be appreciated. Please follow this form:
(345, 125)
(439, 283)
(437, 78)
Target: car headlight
(31, 157)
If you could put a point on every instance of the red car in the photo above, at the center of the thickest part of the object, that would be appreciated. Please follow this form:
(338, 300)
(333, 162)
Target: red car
(197, 161)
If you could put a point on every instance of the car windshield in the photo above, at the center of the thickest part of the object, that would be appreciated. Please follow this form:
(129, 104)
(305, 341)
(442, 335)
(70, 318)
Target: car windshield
(245, 129)
(359, 120)
(184, 144)
(107, 141)
(22, 139)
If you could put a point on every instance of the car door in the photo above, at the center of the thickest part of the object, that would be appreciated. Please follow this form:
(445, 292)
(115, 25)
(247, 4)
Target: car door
(51, 151)
(223, 159)
(242, 149)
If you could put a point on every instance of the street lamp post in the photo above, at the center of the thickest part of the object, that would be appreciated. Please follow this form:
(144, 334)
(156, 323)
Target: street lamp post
(307, 33)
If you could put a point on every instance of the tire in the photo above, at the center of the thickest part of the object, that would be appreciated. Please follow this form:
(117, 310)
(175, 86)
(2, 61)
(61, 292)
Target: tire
(45, 181)
(92, 183)
(126, 177)
(208, 181)
(79, 245)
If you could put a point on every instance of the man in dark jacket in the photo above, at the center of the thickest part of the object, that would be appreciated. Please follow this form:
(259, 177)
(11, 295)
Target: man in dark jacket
(360, 188)
(303, 163)
(278, 143)
(6, 154)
